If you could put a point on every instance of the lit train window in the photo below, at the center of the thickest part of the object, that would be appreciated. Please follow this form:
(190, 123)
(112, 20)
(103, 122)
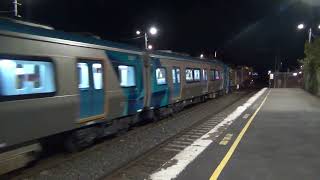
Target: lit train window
(212, 75)
(217, 75)
(205, 75)
(83, 74)
(161, 76)
(189, 75)
(176, 75)
(21, 77)
(97, 75)
(196, 73)
(127, 76)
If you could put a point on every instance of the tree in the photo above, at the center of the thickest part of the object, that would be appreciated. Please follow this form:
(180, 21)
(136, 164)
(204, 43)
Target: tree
(311, 65)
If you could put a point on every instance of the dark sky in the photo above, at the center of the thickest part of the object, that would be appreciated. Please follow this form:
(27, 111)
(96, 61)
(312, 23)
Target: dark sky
(249, 32)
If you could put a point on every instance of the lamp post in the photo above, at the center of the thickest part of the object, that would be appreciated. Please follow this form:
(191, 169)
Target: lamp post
(15, 10)
(152, 31)
(310, 34)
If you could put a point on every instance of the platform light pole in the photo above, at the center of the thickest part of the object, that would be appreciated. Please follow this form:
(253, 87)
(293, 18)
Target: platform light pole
(310, 33)
(153, 31)
(16, 4)
(15, 10)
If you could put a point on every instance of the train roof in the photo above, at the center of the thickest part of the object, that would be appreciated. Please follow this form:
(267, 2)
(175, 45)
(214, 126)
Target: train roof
(184, 57)
(18, 26)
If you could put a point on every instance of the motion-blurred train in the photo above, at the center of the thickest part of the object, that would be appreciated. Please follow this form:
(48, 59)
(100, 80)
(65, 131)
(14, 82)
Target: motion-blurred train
(81, 88)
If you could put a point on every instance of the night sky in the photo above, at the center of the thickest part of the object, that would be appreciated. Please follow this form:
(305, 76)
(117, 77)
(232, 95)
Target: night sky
(251, 32)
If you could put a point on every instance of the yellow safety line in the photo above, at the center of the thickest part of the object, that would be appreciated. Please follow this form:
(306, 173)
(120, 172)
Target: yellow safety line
(227, 157)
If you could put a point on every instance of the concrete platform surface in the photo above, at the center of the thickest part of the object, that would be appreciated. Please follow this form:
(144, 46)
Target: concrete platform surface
(282, 142)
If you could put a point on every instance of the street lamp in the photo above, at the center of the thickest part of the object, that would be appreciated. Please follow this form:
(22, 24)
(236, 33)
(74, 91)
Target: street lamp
(15, 10)
(310, 34)
(152, 31)
(150, 46)
(301, 26)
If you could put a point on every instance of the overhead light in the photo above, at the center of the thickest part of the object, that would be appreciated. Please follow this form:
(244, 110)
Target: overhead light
(153, 31)
(301, 26)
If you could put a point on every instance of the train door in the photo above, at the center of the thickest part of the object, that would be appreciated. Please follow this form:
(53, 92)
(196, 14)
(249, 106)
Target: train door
(176, 81)
(91, 88)
(204, 81)
(160, 88)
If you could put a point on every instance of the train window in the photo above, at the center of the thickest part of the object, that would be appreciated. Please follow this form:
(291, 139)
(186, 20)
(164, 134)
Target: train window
(97, 73)
(161, 76)
(217, 75)
(174, 79)
(23, 77)
(197, 75)
(204, 75)
(189, 75)
(176, 75)
(83, 75)
(212, 75)
(127, 76)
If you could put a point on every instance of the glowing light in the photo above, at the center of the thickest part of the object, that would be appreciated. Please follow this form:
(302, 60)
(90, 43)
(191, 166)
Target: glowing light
(269, 72)
(300, 72)
(295, 74)
(138, 32)
(301, 26)
(150, 46)
(201, 56)
(153, 30)
(319, 26)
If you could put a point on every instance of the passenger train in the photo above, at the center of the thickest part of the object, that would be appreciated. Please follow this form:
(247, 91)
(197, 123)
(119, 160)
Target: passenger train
(81, 88)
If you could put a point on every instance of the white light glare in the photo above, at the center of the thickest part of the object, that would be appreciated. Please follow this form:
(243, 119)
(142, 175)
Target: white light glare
(300, 72)
(150, 46)
(269, 72)
(319, 26)
(201, 56)
(153, 31)
(301, 26)
(295, 74)
(138, 32)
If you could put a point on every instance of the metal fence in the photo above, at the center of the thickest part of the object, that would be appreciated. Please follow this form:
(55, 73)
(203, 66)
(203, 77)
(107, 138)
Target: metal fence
(286, 80)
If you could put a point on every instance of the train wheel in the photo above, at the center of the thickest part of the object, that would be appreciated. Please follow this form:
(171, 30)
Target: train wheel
(79, 140)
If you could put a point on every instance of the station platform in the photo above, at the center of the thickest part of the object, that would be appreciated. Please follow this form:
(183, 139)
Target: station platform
(276, 138)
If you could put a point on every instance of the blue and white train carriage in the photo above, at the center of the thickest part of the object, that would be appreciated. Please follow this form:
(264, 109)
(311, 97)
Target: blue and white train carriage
(81, 88)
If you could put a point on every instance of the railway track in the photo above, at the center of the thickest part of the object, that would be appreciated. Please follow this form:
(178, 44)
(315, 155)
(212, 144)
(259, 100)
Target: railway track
(109, 157)
(160, 156)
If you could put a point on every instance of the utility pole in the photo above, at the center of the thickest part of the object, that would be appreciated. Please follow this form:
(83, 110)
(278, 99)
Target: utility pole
(146, 40)
(310, 35)
(15, 9)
